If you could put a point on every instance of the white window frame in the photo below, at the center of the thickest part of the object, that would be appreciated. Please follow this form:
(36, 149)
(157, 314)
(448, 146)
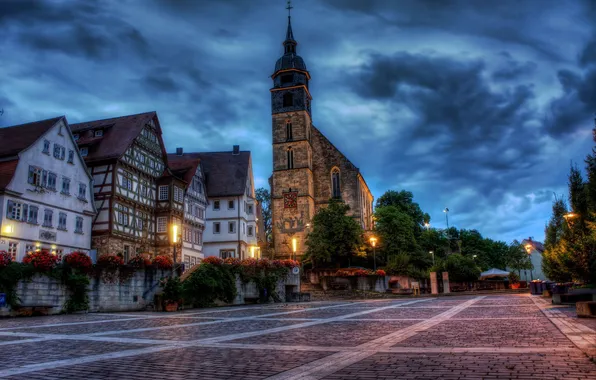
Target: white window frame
(79, 222)
(162, 224)
(216, 227)
(233, 203)
(232, 227)
(62, 220)
(163, 196)
(250, 231)
(84, 151)
(216, 205)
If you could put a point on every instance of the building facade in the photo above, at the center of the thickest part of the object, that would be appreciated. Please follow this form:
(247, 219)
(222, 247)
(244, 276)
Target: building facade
(308, 170)
(127, 158)
(230, 225)
(535, 249)
(195, 204)
(45, 190)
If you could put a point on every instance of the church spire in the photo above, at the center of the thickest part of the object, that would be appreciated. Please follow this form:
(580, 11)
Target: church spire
(290, 43)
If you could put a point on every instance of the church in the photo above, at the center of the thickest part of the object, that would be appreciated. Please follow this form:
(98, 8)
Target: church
(308, 170)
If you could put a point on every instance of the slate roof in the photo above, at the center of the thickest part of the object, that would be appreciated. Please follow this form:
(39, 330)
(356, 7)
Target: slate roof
(17, 138)
(183, 167)
(225, 173)
(118, 134)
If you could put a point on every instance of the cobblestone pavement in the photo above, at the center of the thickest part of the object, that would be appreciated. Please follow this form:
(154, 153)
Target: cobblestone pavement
(460, 337)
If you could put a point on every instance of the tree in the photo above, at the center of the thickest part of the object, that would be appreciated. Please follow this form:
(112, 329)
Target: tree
(404, 202)
(264, 198)
(335, 237)
(396, 232)
(517, 259)
(460, 268)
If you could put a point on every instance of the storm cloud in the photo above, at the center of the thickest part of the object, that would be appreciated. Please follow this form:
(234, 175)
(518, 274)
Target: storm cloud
(478, 106)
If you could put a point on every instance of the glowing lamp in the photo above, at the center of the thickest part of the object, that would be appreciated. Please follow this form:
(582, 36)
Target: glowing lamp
(8, 229)
(174, 233)
(373, 241)
(294, 244)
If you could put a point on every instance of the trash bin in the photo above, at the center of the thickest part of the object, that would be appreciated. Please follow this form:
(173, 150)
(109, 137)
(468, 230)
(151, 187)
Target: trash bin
(533, 287)
(560, 288)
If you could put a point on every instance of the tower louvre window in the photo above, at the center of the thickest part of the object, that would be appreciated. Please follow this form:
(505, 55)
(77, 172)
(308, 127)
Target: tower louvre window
(290, 158)
(289, 130)
(335, 187)
(288, 78)
(288, 100)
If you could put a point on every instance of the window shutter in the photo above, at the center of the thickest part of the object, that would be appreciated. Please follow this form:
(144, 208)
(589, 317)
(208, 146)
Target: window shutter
(25, 212)
(9, 209)
(44, 178)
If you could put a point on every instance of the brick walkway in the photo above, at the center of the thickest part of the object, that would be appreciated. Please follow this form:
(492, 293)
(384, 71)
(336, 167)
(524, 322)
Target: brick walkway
(463, 337)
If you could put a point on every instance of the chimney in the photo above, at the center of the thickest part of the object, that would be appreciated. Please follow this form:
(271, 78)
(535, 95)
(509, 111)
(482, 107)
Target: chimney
(179, 151)
(236, 150)
(530, 238)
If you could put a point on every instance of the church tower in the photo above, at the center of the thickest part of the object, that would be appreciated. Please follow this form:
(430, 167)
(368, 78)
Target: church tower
(292, 189)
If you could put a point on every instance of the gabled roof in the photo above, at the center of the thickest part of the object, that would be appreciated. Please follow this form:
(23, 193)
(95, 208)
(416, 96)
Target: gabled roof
(16, 138)
(118, 134)
(183, 167)
(225, 173)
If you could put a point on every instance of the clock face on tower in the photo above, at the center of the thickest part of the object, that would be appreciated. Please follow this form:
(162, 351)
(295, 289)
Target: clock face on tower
(291, 199)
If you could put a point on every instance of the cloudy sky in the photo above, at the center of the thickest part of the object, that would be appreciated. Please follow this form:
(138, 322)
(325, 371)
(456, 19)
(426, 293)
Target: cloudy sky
(479, 106)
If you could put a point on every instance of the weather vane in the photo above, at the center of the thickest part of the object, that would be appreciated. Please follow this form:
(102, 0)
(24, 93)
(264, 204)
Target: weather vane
(289, 8)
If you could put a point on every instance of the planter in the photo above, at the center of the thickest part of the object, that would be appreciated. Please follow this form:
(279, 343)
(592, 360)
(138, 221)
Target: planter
(515, 286)
(172, 306)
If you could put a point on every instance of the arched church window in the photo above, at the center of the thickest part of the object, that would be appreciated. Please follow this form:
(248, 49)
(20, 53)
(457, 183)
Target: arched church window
(290, 158)
(335, 187)
(289, 135)
(288, 99)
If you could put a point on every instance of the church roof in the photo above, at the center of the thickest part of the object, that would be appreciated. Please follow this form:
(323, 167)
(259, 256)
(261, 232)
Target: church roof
(290, 60)
(226, 173)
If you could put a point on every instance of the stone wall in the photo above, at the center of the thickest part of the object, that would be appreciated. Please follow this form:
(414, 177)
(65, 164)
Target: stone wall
(134, 294)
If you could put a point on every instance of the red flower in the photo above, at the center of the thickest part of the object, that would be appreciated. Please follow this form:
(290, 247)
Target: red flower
(380, 272)
(288, 263)
(5, 259)
(229, 261)
(78, 260)
(110, 261)
(139, 262)
(362, 273)
(163, 262)
(42, 260)
(212, 260)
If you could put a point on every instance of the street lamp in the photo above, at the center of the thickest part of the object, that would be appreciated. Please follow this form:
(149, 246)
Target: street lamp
(432, 253)
(294, 245)
(529, 248)
(373, 242)
(427, 225)
(176, 239)
(446, 211)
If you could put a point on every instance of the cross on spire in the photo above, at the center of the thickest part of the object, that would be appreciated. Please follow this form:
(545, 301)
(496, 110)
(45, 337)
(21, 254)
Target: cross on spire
(289, 8)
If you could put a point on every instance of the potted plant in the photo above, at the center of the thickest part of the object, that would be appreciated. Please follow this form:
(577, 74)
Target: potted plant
(172, 291)
(514, 280)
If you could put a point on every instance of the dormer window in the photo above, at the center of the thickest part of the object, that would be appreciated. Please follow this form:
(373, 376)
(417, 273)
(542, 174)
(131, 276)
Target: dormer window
(84, 152)
(98, 133)
(75, 137)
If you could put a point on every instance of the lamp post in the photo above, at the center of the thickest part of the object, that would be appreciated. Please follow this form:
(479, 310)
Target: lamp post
(446, 211)
(432, 253)
(373, 242)
(294, 245)
(528, 248)
(427, 225)
(176, 239)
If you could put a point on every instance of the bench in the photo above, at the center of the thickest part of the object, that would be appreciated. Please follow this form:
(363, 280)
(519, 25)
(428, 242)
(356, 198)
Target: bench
(459, 288)
(586, 309)
(42, 309)
(574, 296)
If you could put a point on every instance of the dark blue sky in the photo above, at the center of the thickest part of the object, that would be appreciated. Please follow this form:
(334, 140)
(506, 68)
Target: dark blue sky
(475, 105)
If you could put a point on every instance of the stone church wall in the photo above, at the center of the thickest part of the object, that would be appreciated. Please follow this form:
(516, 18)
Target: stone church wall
(325, 157)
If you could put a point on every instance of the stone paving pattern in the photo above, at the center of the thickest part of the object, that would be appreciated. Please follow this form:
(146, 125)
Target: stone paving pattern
(458, 337)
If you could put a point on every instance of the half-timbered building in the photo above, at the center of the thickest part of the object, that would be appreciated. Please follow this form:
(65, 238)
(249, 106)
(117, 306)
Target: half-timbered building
(126, 157)
(45, 199)
(195, 202)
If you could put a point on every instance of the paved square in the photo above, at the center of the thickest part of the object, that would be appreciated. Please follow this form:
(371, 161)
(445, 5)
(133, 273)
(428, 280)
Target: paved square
(458, 337)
